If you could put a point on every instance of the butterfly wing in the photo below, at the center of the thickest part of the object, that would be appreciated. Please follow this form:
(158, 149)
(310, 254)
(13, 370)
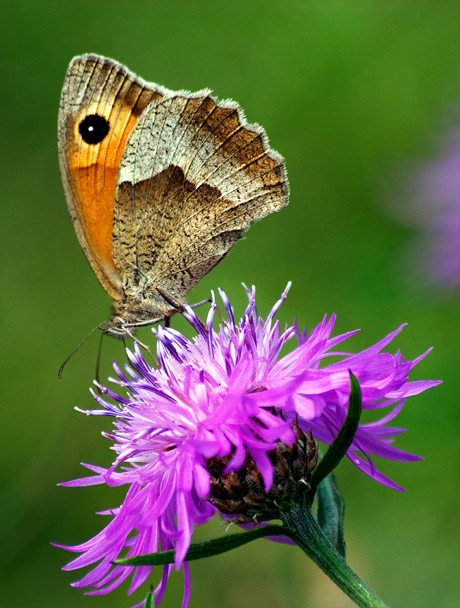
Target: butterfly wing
(193, 177)
(101, 102)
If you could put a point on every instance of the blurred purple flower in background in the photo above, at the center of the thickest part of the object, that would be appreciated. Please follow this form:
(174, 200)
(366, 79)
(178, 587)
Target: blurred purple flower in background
(226, 394)
(431, 203)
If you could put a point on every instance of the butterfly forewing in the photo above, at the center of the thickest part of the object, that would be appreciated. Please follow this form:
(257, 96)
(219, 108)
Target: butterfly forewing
(96, 87)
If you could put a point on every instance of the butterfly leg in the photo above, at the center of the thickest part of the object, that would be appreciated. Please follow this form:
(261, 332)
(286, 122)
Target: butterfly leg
(170, 299)
(133, 337)
(179, 306)
(198, 304)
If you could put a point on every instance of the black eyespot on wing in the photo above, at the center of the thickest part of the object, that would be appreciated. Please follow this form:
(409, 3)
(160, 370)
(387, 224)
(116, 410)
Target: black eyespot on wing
(93, 128)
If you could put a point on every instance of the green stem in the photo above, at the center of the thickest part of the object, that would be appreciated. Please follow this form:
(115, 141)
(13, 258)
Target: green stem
(311, 539)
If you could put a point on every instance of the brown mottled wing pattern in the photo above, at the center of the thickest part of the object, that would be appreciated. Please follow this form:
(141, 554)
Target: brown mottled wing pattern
(193, 177)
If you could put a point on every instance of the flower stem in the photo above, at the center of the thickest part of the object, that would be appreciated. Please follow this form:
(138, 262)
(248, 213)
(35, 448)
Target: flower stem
(310, 538)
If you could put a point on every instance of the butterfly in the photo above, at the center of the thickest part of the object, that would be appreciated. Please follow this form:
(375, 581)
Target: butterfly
(159, 184)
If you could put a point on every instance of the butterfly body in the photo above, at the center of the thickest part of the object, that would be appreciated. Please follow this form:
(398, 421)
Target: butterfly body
(159, 185)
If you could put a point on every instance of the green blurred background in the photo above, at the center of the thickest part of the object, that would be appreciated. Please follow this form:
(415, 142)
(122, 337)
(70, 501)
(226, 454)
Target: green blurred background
(351, 93)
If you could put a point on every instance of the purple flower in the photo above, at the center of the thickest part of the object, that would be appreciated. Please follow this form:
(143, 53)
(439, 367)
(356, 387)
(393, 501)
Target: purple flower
(226, 394)
(432, 204)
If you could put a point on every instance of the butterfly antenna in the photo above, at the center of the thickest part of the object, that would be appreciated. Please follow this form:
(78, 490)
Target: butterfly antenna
(75, 350)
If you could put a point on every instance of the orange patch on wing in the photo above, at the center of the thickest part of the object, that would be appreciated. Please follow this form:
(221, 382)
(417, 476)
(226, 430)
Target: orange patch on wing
(94, 169)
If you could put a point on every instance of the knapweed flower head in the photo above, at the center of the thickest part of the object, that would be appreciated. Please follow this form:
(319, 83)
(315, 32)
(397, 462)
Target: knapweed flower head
(223, 402)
